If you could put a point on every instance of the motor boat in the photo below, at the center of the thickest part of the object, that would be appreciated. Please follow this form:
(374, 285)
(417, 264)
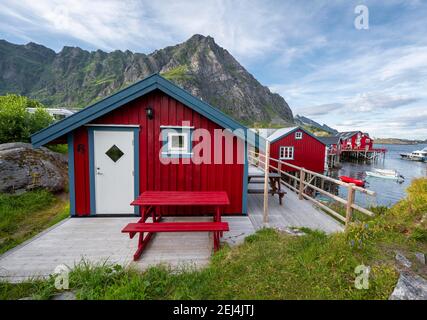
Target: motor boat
(385, 174)
(417, 155)
(357, 182)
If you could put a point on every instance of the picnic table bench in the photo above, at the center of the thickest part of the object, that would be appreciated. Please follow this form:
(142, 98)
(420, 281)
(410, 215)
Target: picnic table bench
(149, 200)
(256, 178)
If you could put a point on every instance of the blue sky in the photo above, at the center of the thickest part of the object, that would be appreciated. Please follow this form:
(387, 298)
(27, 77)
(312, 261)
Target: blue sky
(310, 52)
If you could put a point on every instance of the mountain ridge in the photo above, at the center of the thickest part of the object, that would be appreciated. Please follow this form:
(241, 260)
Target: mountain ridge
(75, 77)
(302, 120)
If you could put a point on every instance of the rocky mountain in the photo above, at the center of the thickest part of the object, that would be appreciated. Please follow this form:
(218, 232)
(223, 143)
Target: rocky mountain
(76, 78)
(304, 121)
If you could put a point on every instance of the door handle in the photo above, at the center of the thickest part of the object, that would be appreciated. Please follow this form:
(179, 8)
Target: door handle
(98, 172)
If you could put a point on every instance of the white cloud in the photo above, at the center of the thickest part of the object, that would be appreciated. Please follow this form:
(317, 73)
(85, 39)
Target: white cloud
(363, 85)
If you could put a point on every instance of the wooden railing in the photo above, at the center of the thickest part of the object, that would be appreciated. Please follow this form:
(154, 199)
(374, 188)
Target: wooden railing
(305, 179)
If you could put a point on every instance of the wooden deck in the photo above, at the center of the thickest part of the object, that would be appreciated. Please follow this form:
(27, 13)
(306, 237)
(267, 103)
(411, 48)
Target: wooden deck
(97, 240)
(293, 212)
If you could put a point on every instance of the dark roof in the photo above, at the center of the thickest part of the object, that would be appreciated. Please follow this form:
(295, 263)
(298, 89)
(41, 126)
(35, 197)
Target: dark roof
(330, 140)
(134, 91)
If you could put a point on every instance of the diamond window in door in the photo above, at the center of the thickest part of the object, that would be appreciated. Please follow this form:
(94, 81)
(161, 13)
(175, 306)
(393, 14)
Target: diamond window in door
(114, 153)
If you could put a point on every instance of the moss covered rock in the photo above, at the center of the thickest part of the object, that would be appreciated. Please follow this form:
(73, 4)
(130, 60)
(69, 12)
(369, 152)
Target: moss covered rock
(23, 168)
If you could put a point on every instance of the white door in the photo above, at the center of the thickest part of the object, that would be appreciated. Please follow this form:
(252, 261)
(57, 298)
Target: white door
(114, 171)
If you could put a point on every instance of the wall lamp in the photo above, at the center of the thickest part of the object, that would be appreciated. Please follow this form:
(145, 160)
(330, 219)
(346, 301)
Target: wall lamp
(150, 113)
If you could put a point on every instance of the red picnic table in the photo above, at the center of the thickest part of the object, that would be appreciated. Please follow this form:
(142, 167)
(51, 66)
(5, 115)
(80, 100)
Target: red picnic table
(149, 200)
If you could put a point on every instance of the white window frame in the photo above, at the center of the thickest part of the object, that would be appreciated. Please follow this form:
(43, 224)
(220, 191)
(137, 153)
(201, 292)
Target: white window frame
(177, 150)
(298, 135)
(291, 153)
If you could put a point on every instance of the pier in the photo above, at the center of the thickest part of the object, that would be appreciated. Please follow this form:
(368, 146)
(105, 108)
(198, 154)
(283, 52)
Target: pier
(365, 155)
(306, 184)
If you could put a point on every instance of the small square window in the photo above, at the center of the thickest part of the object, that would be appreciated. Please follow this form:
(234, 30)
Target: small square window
(298, 135)
(177, 142)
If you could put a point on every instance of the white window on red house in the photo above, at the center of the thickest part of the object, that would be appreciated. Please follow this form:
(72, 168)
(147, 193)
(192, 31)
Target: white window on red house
(298, 135)
(176, 141)
(368, 140)
(286, 153)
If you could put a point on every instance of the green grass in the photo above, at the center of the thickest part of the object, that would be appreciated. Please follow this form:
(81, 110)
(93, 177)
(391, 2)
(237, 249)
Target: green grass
(269, 265)
(60, 148)
(179, 73)
(23, 216)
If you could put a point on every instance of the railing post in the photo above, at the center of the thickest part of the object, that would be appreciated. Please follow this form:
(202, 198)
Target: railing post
(301, 183)
(350, 201)
(266, 182)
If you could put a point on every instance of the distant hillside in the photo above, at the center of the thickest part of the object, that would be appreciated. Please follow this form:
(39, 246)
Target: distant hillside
(314, 126)
(75, 77)
(398, 141)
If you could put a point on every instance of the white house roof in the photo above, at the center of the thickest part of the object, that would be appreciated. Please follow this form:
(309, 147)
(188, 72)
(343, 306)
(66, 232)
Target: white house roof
(280, 133)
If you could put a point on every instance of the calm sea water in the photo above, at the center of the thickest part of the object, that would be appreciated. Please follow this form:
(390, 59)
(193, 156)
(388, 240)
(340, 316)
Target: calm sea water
(388, 191)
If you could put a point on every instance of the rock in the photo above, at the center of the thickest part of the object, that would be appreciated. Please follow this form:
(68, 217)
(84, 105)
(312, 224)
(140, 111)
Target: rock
(66, 295)
(421, 257)
(410, 287)
(403, 260)
(23, 168)
(292, 231)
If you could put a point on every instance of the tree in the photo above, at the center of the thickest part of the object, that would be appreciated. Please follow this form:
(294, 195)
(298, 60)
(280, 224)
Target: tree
(16, 123)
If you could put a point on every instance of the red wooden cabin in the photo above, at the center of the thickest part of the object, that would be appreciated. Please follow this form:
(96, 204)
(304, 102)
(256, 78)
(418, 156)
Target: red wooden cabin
(118, 147)
(356, 140)
(296, 146)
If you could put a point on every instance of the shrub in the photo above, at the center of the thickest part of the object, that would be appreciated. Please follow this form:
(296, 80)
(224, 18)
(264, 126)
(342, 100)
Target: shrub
(16, 123)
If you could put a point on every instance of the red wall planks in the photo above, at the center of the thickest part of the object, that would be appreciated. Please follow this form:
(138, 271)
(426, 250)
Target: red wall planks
(309, 152)
(81, 171)
(174, 176)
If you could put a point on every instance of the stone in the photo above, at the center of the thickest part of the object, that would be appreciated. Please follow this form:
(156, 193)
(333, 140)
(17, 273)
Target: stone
(403, 260)
(24, 168)
(421, 257)
(292, 231)
(66, 295)
(410, 287)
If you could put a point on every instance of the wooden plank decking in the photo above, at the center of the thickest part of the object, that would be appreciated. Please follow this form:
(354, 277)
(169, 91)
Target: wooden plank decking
(97, 240)
(292, 213)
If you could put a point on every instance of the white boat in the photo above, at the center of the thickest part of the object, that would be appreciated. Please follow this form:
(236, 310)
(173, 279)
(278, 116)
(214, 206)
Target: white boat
(386, 171)
(417, 155)
(385, 174)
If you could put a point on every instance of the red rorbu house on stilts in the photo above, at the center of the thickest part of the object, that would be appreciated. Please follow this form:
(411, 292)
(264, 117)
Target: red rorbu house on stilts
(355, 140)
(296, 146)
(142, 138)
(357, 144)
